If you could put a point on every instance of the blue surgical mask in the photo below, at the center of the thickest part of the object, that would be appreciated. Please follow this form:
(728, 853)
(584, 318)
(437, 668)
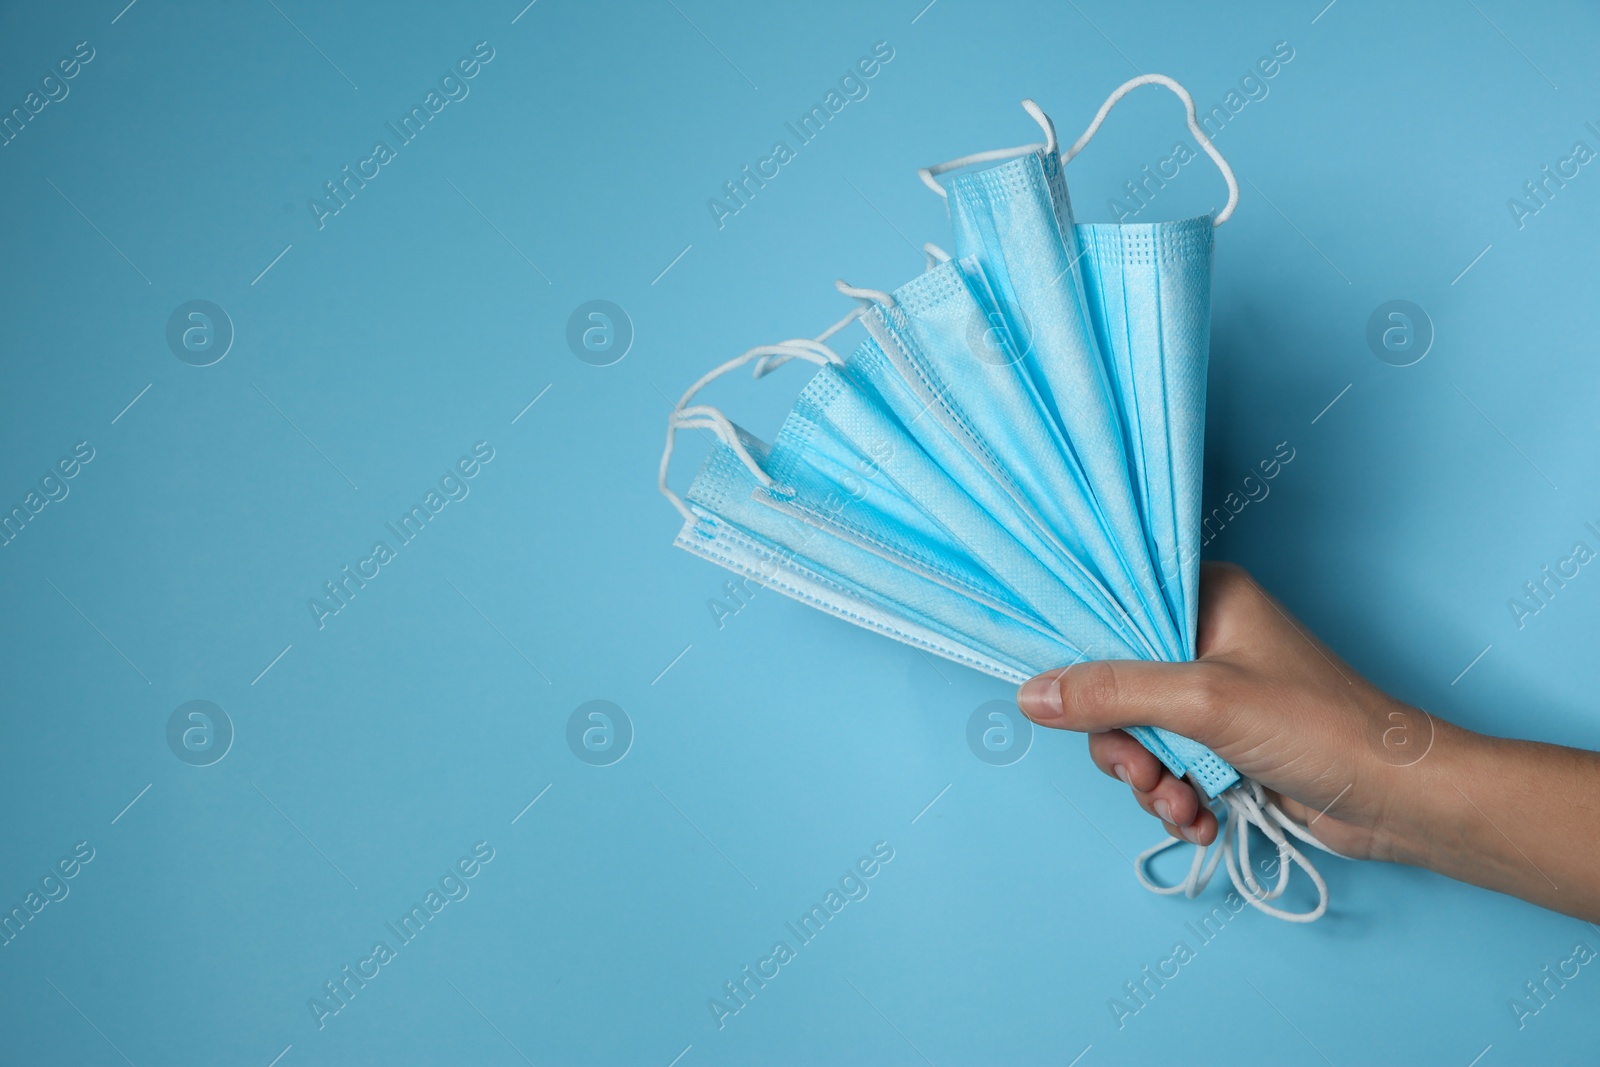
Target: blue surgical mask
(1015, 238)
(1149, 297)
(1007, 471)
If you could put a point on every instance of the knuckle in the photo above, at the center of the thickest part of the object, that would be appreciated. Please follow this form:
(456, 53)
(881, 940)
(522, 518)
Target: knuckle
(1221, 569)
(1210, 700)
(1090, 690)
(1103, 748)
(1217, 699)
(1210, 691)
(1229, 578)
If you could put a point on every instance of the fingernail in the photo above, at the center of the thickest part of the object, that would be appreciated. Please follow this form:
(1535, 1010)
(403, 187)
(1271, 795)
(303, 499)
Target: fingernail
(1040, 698)
(1190, 834)
(1121, 772)
(1163, 811)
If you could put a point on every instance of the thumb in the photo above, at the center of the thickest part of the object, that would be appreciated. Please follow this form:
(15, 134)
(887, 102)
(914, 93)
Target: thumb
(1186, 698)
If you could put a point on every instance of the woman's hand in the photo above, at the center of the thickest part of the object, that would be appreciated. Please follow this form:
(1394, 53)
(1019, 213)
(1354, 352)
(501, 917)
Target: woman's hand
(1371, 777)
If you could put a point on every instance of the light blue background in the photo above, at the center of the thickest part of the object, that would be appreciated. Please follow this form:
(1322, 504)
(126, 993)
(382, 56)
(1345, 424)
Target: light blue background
(779, 748)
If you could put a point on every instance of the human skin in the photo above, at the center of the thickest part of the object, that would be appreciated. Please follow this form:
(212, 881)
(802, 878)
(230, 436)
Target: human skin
(1372, 777)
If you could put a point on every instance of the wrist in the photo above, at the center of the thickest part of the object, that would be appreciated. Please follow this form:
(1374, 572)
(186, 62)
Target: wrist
(1428, 821)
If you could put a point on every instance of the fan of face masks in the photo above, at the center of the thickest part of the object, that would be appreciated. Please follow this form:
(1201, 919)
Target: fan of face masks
(1006, 471)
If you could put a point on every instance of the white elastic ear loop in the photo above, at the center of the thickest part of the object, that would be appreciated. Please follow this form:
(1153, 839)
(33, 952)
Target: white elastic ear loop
(868, 297)
(927, 173)
(934, 255)
(773, 360)
(1302, 832)
(1201, 868)
(1245, 810)
(769, 363)
(1249, 806)
(704, 417)
(1194, 127)
(1246, 805)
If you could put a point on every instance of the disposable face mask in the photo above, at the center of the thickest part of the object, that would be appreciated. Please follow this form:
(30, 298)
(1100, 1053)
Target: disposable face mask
(1007, 472)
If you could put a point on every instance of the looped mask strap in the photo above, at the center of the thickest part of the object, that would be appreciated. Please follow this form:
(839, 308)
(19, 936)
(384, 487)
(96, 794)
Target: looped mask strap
(927, 173)
(1246, 805)
(868, 297)
(1194, 127)
(1201, 868)
(769, 363)
(686, 416)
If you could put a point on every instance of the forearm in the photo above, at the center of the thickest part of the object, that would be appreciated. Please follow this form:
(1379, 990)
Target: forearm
(1517, 817)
